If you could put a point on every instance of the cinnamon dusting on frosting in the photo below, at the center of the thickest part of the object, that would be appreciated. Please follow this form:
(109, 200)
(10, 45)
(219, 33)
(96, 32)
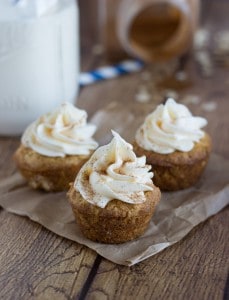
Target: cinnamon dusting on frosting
(114, 172)
(62, 132)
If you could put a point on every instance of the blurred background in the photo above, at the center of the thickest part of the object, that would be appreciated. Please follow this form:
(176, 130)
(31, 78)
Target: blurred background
(211, 36)
(175, 43)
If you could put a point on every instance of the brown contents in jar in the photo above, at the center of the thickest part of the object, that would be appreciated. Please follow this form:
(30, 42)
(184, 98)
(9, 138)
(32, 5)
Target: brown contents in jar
(153, 28)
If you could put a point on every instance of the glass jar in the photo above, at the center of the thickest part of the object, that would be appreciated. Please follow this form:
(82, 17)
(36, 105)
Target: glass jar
(39, 60)
(153, 30)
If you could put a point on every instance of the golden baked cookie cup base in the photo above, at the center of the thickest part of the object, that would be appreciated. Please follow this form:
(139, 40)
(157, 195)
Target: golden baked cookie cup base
(178, 170)
(118, 222)
(51, 174)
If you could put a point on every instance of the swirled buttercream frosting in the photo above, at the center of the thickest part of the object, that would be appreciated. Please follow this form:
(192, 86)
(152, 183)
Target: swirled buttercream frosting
(62, 132)
(169, 128)
(114, 172)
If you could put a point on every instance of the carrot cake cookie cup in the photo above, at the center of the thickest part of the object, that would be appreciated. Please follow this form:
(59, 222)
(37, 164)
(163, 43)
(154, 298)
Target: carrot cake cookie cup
(113, 197)
(174, 145)
(54, 148)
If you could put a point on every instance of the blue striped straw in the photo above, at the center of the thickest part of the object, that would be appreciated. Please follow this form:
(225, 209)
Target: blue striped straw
(108, 72)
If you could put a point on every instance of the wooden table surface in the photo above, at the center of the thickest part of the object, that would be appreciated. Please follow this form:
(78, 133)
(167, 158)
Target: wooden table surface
(37, 264)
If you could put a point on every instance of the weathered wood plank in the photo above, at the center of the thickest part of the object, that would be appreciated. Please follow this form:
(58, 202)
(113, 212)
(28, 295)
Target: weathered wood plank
(34, 261)
(37, 263)
(194, 268)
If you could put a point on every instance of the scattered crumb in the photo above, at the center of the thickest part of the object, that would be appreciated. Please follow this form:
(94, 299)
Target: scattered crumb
(222, 41)
(202, 52)
(159, 71)
(204, 60)
(207, 54)
(171, 94)
(143, 96)
(191, 99)
(97, 49)
(181, 76)
(209, 106)
(201, 39)
(221, 49)
(146, 76)
(112, 105)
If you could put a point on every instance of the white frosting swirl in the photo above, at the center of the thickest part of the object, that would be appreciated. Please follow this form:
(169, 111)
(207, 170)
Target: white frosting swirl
(169, 128)
(62, 132)
(114, 172)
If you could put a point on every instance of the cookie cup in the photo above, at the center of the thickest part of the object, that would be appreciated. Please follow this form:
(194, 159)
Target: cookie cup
(177, 170)
(118, 222)
(51, 174)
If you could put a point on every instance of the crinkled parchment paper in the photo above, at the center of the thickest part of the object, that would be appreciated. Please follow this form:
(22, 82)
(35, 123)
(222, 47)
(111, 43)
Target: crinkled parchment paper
(175, 216)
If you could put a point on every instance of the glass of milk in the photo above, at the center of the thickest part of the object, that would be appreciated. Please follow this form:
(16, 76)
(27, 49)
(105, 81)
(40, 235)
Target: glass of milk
(39, 59)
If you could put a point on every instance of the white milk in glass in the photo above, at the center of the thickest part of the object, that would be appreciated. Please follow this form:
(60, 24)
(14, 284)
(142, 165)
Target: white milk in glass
(39, 63)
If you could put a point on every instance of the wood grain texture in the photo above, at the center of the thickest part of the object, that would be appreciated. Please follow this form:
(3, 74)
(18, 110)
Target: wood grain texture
(37, 264)
(34, 261)
(194, 268)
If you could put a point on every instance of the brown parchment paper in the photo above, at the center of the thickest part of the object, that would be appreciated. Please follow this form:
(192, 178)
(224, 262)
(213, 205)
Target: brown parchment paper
(175, 216)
